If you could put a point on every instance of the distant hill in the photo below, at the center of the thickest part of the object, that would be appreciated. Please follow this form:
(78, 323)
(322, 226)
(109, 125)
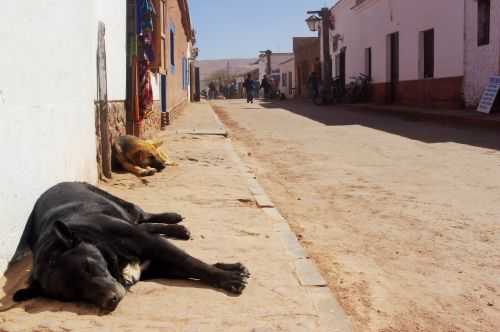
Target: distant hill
(236, 66)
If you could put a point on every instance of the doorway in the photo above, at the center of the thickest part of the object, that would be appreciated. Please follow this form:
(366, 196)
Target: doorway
(340, 67)
(163, 100)
(393, 66)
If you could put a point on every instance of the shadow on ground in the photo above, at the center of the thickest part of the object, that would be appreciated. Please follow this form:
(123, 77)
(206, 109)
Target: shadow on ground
(408, 126)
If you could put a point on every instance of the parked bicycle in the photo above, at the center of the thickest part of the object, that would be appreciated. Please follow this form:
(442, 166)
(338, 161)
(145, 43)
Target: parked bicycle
(358, 90)
(329, 96)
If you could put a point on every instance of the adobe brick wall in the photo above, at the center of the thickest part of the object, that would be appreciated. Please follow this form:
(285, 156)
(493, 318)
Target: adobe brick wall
(152, 123)
(117, 120)
(306, 50)
(445, 93)
(175, 92)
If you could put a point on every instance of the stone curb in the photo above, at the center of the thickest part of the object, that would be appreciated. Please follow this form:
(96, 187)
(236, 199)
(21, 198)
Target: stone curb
(331, 313)
(214, 132)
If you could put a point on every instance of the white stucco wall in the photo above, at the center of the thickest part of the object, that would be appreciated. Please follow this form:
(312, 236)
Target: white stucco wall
(289, 68)
(47, 92)
(276, 59)
(481, 62)
(113, 14)
(369, 24)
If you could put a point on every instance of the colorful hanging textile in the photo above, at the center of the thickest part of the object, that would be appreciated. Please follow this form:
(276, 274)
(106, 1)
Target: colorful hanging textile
(145, 89)
(145, 16)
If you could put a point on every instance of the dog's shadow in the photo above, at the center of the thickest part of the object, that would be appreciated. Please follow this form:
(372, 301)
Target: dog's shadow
(17, 275)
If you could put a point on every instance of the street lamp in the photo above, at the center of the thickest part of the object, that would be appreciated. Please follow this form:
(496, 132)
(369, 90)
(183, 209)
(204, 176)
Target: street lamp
(313, 23)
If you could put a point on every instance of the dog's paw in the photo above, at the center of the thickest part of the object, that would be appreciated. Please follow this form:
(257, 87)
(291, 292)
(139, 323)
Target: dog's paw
(148, 172)
(233, 277)
(172, 218)
(233, 282)
(179, 232)
(236, 267)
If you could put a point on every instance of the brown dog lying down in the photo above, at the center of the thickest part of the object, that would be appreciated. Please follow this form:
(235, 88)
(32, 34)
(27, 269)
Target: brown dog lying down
(139, 157)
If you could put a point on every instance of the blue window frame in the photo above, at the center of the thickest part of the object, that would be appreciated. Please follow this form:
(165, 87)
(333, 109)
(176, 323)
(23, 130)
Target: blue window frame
(185, 73)
(172, 48)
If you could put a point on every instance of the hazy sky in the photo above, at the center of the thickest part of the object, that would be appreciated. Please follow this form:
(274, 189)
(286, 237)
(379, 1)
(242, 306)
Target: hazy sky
(242, 28)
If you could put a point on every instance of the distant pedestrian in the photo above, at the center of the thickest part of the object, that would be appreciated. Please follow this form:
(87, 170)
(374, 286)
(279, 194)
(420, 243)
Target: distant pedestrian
(313, 85)
(266, 86)
(211, 90)
(249, 88)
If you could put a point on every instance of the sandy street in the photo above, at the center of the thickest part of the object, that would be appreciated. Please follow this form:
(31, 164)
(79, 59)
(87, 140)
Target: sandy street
(403, 217)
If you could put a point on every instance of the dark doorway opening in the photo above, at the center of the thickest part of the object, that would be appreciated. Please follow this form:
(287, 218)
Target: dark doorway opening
(341, 67)
(483, 21)
(429, 53)
(393, 66)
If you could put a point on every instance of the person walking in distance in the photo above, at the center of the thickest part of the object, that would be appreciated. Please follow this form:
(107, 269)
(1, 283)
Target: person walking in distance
(313, 84)
(248, 85)
(266, 86)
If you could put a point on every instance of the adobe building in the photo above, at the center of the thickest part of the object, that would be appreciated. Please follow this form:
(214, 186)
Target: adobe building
(482, 47)
(275, 60)
(306, 52)
(287, 82)
(160, 37)
(415, 51)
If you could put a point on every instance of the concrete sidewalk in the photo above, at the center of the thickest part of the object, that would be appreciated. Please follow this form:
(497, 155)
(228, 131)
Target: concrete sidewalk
(231, 219)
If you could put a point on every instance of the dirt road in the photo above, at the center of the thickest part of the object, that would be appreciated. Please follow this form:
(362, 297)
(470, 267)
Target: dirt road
(403, 217)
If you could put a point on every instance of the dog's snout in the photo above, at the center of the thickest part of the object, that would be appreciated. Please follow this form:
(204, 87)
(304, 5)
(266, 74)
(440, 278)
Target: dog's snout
(111, 302)
(159, 166)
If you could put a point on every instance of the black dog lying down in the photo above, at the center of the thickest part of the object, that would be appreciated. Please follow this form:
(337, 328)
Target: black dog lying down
(91, 246)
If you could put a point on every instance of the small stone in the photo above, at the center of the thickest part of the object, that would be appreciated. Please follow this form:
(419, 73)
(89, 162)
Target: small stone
(490, 304)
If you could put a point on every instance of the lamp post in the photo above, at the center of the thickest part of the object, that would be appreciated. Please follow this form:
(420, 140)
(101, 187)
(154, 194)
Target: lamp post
(320, 21)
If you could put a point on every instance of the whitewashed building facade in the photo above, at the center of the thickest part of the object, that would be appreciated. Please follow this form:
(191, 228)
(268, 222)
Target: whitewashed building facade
(49, 91)
(420, 53)
(47, 99)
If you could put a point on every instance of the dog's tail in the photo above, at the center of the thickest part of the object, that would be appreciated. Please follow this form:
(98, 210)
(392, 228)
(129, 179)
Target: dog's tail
(23, 247)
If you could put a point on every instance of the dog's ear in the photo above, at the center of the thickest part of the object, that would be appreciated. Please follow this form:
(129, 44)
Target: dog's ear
(67, 237)
(32, 291)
